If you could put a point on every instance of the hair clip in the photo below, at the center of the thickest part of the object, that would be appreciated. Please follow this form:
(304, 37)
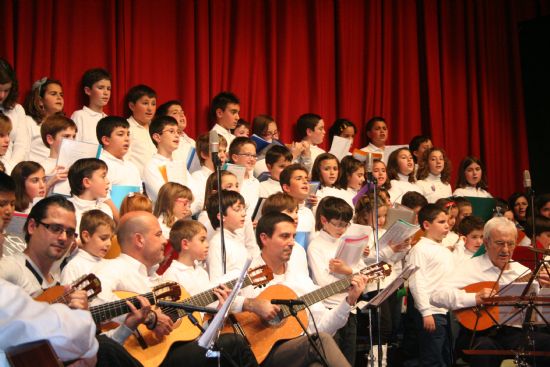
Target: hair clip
(131, 194)
(450, 204)
(39, 83)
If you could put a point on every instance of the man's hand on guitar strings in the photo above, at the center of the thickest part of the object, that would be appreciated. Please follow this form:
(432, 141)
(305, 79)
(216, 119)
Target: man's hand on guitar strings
(136, 317)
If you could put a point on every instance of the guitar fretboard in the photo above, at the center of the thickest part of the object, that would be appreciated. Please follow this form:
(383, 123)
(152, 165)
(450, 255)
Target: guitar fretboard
(110, 310)
(202, 299)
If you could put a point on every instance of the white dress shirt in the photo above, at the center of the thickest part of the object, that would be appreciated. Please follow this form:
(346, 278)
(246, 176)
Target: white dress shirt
(320, 251)
(153, 179)
(86, 121)
(16, 269)
(225, 133)
(235, 252)
(315, 152)
(193, 278)
(401, 187)
(199, 180)
(79, 264)
(435, 265)
(121, 172)
(250, 191)
(82, 206)
(371, 148)
(433, 189)
(141, 145)
(472, 191)
(38, 151)
(22, 320)
(269, 187)
(478, 269)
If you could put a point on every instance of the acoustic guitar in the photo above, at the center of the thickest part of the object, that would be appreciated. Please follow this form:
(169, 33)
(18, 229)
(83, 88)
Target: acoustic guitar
(151, 351)
(31, 354)
(60, 294)
(262, 336)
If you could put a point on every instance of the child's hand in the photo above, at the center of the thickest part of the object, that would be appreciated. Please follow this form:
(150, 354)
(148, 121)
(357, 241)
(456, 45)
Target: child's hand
(296, 149)
(400, 247)
(429, 323)
(338, 266)
(58, 174)
(366, 251)
(306, 152)
(312, 200)
(254, 224)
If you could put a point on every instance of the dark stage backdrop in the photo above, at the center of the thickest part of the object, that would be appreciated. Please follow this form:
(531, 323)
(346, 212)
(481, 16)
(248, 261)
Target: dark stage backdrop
(445, 68)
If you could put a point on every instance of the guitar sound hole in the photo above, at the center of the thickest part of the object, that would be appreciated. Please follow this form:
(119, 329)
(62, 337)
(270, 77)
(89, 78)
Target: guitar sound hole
(277, 319)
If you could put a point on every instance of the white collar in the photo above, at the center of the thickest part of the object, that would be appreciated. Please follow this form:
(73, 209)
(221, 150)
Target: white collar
(93, 113)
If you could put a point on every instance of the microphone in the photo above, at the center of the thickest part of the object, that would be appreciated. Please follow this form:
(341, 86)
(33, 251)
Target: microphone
(287, 302)
(368, 168)
(527, 182)
(214, 144)
(186, 307)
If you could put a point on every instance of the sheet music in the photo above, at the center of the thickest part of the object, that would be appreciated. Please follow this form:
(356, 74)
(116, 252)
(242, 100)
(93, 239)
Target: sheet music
(211, 333)
(340, 147)
(506, 312)
(69, 152)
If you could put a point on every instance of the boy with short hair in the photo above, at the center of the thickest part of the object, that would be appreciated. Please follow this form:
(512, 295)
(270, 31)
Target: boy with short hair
(207, 167)
(89, 187)
(435, 264)
(295, 182)
(542, 232)
(470, 231)
(162, 167)
(415, 201)
(224, 113)
(97, 86)
(233, 214)
(174, 108)
(96, 231)
(277, 158)
(113, 133)
(5, 130)
(242, 152)
(188, 238)
(53, 130)
(141, 100)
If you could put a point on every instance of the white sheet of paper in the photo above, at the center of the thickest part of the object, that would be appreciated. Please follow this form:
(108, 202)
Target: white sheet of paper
(505, 312)
(238, 171)
(340, 147)
(69, 152)
(398, 233)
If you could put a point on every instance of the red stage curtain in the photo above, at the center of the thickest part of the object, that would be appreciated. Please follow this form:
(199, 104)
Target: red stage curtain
(445, 68)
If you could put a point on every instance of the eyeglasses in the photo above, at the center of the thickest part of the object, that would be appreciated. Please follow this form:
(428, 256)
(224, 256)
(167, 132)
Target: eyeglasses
(510, 244)
(58, 229)
(171, 131)
(271, 133)
(339, 223)
(248, 155)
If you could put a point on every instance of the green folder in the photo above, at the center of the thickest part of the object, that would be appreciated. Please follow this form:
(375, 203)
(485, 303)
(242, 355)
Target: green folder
(482, 207)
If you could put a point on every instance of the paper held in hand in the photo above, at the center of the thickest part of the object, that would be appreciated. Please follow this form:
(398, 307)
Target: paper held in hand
(398, 233)
(352, 244)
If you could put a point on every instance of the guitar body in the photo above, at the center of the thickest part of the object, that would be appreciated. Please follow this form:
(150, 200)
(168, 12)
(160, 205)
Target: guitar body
(60, 294)
(477, 318)
(150, 350)
(51, 294)
(28, 354)
(262, 335)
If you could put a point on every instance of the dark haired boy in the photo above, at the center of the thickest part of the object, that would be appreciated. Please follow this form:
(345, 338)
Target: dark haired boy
(141, 100)
(224, 113)
(435, 264)
(470, 231)
(277, 158)
(96, 84)
(89, 186)
(233, 214)
(113, 133)
(174, 108)
(162, 167)
(242, 152)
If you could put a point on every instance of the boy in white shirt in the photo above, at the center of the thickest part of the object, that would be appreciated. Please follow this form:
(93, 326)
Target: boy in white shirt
(242, 152)
(142, 101)
(435, 265)
(311, 129)
(96, 230)
(89, 187)
(224, 112)
(188, 238)
(207, 168)
(174, 108)
(113, 133)
(53, 130)
(277, 158)
(97, 86)
(471, 239)
(162, 167)
(233, 214)
(294, 181)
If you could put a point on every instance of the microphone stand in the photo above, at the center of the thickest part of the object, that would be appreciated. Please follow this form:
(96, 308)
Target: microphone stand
(531, 197)
(374, 182)
(218, 167)
(294, 313)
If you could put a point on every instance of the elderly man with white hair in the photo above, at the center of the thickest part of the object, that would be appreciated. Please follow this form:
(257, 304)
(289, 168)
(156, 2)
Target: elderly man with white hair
(499, 238)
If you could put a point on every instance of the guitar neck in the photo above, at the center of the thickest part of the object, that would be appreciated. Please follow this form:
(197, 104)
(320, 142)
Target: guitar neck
(111, 310)
(202, 299)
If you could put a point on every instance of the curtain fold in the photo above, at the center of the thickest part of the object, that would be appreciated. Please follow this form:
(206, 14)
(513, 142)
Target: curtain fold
(445, 68)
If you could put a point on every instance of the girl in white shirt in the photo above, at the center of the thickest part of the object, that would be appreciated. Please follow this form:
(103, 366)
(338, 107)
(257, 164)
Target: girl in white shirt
(472, 180)
(352, 178)
(401, 174)
(30, 185)
(326, 170)
(433, 175)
